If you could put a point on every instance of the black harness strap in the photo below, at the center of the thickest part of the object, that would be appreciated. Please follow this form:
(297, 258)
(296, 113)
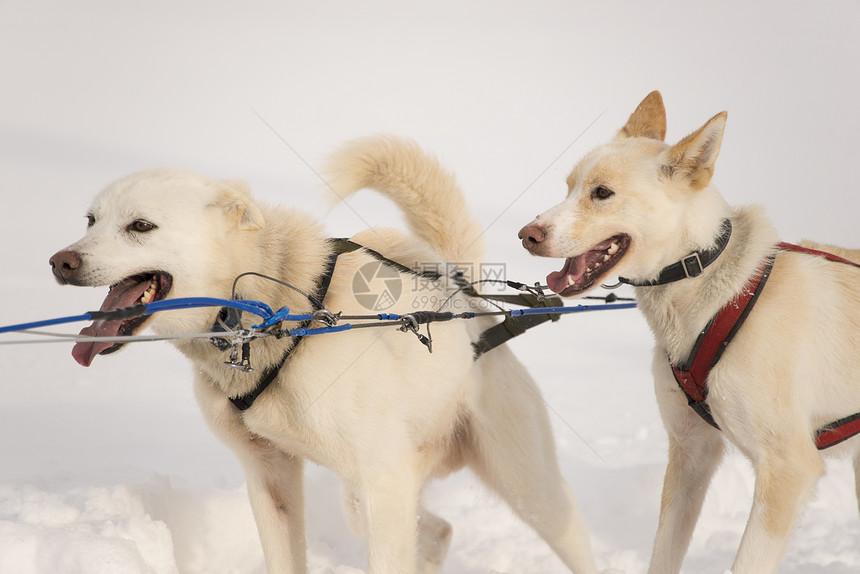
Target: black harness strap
(514, 326)
(338, 246)
(493, 337)
(347, 246)
(245, 401)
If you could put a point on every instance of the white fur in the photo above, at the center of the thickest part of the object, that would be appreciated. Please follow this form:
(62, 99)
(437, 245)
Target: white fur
(793, 367)
(372, 405)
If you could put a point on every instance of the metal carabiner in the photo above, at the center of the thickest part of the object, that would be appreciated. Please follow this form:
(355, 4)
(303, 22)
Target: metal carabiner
(244, 364)
(410, 324)
(326, 317)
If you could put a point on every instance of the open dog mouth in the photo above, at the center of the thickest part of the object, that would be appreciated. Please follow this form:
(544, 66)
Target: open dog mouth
(135, 290)
(582, 271)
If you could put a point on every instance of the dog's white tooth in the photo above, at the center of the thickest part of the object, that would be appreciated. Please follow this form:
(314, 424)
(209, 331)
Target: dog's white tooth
(149, 294)
(597, 265)
(588, 269)
(613, 249)
(605, 258)
(570, 281)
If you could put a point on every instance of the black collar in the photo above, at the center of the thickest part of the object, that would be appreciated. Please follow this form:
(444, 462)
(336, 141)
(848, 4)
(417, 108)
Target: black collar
(690, 266)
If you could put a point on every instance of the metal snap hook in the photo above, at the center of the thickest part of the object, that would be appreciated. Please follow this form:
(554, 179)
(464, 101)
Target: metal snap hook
(326, 317)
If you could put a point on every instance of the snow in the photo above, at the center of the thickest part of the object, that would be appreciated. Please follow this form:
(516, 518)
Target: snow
(111, 469)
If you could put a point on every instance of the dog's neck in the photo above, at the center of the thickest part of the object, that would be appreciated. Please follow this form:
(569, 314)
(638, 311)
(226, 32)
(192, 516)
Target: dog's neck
(291, 248)
(678, 311)
(692, 265)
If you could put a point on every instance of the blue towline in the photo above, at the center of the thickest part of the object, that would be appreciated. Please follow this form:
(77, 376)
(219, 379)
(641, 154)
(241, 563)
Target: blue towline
(256, 307)
(271, 317)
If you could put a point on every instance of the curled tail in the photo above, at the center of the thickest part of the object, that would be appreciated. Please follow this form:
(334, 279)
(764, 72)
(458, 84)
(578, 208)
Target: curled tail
(428, 196)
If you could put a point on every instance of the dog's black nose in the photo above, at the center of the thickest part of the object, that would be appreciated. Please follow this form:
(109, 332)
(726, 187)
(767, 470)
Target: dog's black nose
(64, 264)
(531, 235)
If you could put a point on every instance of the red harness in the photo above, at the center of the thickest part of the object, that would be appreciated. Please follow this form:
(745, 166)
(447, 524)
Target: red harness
(712, 341)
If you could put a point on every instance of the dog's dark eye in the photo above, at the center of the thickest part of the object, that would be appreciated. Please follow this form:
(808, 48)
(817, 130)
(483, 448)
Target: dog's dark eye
(141, 226)
(91, 220)
(602, 192)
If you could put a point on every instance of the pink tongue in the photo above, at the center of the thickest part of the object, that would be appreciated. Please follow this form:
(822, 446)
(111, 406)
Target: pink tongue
(573, 267)
(124, 294)
(85, 352)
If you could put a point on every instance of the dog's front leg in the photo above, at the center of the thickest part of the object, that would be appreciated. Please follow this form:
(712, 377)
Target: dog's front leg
(783, 480)
(275, 483)
(688, 474)
(433, 533)
(390, 500)
(695, 450)
(275, 489)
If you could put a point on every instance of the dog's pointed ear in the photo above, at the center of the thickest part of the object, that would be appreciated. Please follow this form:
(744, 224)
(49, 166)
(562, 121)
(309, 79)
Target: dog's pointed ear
(648, 120)
(234, 199)
(693, 157)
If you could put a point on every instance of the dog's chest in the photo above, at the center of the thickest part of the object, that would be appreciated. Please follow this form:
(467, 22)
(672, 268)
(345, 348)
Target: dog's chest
(282, 417)
(295, 430)
(676, 325)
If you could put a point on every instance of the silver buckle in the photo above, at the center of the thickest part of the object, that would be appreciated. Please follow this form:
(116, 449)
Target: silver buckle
(692, 265)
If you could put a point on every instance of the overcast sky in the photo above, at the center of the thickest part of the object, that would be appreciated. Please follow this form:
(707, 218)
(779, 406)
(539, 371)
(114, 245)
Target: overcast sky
(508, 94)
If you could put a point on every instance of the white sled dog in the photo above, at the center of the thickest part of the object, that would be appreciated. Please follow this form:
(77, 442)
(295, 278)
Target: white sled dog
(373, 405)
(787, 385)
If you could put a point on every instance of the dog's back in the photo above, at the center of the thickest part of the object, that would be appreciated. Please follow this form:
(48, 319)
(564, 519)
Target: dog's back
(849, 254)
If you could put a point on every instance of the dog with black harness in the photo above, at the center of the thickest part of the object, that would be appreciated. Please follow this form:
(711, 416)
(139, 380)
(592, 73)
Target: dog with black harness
(371, 404)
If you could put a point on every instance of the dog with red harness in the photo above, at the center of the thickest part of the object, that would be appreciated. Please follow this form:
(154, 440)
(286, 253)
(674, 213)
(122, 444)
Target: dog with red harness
(757, 341)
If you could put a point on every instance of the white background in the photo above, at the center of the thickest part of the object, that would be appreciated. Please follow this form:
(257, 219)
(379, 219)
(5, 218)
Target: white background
(111, 469)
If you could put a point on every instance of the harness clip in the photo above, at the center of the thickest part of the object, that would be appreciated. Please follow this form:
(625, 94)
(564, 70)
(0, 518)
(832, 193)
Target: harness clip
(228, 320)
(537, 291)
(326, 317)
(244, 364)
(410, 324)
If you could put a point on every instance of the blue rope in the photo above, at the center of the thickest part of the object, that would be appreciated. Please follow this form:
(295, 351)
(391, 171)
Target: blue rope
(304, 332)
(563, 310)
(45, 323)
(269, 316)
(256, 307)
